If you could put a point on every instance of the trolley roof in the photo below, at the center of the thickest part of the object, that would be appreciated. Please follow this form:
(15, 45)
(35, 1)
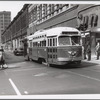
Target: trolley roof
(53, 32)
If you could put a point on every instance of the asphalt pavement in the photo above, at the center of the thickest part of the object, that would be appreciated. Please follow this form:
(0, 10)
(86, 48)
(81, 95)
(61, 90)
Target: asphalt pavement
(10, 57)
(32, 78)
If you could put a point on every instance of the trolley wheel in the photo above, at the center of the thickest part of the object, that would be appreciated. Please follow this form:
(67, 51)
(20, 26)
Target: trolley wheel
(40, 61)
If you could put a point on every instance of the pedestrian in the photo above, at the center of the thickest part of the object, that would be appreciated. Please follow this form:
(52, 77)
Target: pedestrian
(2, 60)
(82, 52)
(85, 50)
(98, 50)
(85, 53)
(89, 52)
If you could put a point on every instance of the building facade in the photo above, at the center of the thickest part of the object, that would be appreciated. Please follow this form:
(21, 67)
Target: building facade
(89, 24)
(43, 16)
(5, 19)
(17, 30)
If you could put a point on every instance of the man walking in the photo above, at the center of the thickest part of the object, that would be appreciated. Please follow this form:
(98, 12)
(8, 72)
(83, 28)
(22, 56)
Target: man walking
(98, 50)
(89, 52)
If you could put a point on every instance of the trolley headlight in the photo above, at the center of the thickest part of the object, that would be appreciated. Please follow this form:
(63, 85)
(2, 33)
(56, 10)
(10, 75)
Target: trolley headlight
(69, 52)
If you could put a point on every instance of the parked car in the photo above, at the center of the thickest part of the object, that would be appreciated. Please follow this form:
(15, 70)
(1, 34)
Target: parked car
(18, 51)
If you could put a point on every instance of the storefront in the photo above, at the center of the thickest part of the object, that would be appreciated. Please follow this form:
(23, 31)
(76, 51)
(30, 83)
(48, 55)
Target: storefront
(89, 23)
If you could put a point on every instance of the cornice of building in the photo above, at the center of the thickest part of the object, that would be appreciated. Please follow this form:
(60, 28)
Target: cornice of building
(86, 8)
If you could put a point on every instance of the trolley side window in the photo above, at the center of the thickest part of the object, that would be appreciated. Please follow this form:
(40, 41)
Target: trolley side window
(43, 43)
(48, 42)
(52, 42)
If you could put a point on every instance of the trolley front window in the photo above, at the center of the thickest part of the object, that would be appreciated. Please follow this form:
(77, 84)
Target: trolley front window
(64, 40)
(69, 40)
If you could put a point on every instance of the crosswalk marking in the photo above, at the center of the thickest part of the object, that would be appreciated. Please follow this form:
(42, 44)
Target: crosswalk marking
(14, 87)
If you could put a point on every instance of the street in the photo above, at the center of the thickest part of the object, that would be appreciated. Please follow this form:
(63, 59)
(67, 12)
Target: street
(31, 78)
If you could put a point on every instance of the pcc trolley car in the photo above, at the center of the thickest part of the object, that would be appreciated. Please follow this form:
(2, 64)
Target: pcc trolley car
(59, 45)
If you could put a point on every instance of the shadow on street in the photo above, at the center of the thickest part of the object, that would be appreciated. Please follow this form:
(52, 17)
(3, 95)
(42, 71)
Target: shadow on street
(73, 65)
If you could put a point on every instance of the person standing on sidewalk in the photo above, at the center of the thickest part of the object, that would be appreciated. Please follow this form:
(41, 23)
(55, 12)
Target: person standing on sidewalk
(89, 52)
(98, 50)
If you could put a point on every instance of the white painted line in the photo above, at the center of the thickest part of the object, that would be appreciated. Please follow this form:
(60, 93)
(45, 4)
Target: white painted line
(14, 87)
(84, 76)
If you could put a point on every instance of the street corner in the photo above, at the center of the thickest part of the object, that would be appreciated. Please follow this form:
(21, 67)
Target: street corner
(92, 61)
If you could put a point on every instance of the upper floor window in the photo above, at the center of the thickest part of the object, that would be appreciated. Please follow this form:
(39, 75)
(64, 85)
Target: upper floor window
(95, 20)
(92, 19)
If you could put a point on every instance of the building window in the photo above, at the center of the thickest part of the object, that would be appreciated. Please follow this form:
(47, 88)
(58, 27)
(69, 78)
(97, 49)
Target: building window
(40, 12)
(45, 10)
(85, 22)
(95, 20)
(91, 20)
(57, 8)
(52, 9)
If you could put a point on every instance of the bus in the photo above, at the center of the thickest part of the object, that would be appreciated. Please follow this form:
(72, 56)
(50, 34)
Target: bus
(55, 46)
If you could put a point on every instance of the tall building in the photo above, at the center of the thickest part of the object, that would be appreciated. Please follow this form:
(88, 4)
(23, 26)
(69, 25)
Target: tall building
(5, 19)
(43, 16)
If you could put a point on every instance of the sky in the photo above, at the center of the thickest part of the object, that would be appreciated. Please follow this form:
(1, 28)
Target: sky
(13, 6)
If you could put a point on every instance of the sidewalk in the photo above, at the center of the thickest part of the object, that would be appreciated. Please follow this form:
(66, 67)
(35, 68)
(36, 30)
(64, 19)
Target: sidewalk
(93, 60)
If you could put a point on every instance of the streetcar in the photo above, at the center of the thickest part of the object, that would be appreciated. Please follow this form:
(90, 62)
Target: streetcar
(55, 46)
